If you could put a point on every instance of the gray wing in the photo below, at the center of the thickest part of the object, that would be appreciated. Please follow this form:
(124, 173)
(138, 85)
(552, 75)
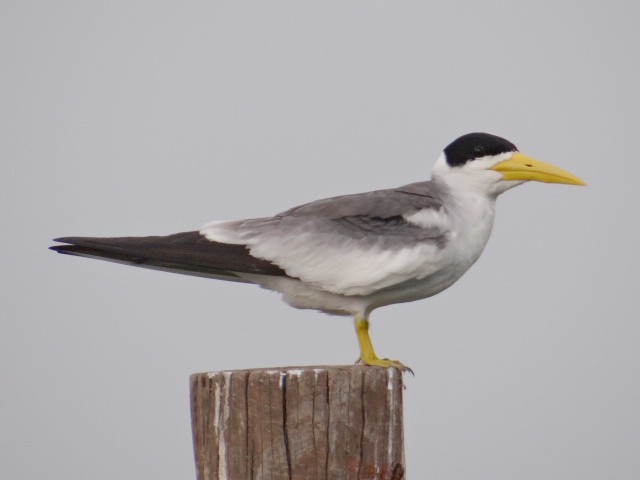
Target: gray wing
(380, 203)
(374, 217)
(353, 244)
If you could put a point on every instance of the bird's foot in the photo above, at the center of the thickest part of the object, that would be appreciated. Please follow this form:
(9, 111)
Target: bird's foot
(385, 363)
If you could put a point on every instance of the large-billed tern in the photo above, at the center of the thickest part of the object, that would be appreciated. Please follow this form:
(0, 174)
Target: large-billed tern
(351, 254)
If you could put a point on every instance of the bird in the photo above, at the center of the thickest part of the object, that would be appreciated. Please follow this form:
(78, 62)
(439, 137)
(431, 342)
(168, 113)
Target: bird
(351, 254)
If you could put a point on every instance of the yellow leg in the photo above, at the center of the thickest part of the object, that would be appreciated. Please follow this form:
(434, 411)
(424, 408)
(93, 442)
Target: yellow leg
(367, 353)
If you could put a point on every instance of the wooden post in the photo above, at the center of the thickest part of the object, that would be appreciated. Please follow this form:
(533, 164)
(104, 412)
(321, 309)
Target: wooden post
(311, 423)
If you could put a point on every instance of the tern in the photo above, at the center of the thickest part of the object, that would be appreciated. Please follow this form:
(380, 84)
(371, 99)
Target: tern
(351, 254)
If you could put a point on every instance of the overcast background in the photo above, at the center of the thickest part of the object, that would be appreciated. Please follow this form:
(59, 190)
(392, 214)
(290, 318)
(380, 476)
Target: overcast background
(139, 118)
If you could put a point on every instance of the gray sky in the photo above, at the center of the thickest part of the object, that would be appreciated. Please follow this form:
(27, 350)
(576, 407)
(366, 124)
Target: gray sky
(137, 118)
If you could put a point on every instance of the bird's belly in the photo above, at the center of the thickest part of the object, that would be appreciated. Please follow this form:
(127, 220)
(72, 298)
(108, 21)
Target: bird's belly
(454, 260)
(415, 289)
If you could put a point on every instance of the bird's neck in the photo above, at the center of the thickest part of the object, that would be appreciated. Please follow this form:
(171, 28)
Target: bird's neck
(472, 212)
(467, 192)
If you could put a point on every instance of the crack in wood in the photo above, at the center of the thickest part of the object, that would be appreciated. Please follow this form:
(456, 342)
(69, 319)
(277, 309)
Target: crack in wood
(283, 380)
(362, 439)
(249, 451)
(327, 387)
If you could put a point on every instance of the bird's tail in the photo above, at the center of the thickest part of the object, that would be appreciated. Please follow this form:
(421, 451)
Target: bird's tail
(188, 253)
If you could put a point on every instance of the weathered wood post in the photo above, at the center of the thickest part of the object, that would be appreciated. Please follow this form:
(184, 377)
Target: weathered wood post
(291, 423)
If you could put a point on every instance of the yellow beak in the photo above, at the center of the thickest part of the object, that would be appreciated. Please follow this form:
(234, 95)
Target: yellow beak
(519, 167)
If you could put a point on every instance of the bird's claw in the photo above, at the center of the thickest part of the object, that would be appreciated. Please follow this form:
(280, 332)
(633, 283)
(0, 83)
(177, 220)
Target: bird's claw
(386, 363)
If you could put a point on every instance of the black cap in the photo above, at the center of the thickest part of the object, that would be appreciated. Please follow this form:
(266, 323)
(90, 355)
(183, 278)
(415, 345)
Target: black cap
(475, 145)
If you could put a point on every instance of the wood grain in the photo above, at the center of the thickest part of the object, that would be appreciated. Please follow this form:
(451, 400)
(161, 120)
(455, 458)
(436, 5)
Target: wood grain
(298, 423)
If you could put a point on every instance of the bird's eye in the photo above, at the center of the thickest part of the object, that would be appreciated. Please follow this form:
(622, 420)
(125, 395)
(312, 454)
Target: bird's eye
(478, 151)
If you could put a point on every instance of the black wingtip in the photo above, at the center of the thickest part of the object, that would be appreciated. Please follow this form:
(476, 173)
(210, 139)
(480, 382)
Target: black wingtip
(65, 249)
(66, 239)
(62, 248)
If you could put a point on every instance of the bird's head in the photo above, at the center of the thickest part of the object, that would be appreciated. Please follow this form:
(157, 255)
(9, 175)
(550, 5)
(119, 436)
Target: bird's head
(493, 165)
